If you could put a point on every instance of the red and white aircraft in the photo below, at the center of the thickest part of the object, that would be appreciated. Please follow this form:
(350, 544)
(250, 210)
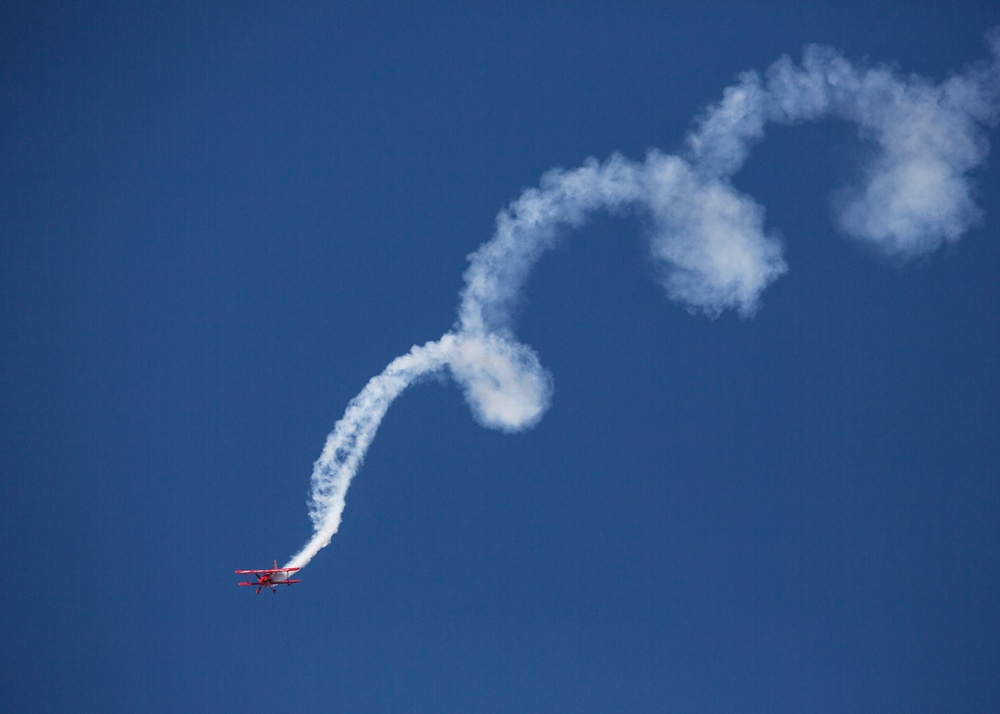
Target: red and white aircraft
(268, 578)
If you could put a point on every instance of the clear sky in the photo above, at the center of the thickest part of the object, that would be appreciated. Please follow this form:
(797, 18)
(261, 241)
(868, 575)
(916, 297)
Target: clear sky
(217, 224)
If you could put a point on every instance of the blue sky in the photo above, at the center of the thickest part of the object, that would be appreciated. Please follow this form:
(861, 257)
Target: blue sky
(218, 224)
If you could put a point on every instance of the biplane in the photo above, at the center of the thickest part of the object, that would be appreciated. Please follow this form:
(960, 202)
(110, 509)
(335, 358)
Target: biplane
(268, 578)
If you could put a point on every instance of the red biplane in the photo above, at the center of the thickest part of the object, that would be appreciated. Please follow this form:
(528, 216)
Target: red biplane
(268, 578)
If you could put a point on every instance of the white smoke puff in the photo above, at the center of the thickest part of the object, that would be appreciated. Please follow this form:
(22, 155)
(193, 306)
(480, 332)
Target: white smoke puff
(926, 138)
(709, 239)
(909, 206)
(917, 194)
(505, 385)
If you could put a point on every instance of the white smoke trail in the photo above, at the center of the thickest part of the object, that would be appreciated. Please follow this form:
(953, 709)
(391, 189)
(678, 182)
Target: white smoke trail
(708, 239)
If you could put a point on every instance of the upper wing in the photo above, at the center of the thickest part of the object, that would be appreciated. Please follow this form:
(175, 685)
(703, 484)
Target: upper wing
(266, 571)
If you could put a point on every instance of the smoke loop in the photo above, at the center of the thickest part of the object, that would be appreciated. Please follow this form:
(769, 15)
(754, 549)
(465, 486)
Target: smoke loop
(708, 239)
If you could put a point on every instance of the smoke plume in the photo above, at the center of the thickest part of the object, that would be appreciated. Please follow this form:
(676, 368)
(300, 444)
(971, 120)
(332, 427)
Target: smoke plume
(708, 240)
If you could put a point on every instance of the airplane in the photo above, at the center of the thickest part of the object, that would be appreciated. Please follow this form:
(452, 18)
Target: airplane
(269, 578)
